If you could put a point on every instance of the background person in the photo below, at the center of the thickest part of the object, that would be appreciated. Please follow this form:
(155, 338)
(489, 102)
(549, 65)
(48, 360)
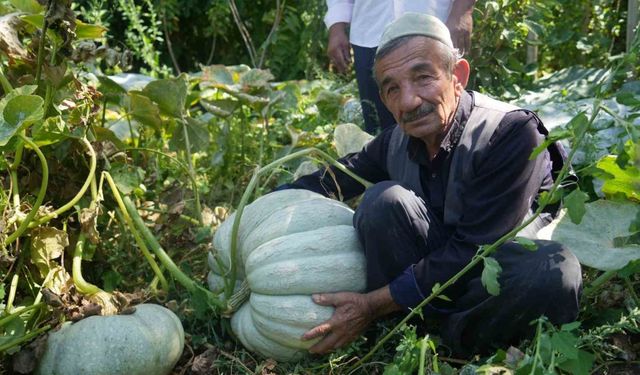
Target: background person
(366, 19)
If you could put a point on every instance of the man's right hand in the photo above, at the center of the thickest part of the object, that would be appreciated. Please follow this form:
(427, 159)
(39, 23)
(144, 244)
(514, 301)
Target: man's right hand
(339, 49)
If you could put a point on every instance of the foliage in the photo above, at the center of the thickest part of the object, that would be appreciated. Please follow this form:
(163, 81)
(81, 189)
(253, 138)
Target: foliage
(179, 150)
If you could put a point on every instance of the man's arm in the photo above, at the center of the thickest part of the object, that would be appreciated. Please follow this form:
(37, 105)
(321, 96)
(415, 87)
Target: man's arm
(337, 19)
(369, 163)
(354, 312)
(460, 24)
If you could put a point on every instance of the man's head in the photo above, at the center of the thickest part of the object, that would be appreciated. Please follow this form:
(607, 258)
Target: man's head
(420, 75)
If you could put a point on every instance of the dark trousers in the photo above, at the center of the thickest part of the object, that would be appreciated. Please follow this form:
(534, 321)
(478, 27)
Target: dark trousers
(397, 230)
(376, 115)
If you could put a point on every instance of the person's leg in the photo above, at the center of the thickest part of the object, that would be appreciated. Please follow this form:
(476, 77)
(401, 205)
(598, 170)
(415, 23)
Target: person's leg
(376, 115)
(396, 229)
(547, 282)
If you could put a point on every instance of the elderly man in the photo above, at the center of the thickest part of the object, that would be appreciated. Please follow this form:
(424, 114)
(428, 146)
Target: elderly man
(454, 174)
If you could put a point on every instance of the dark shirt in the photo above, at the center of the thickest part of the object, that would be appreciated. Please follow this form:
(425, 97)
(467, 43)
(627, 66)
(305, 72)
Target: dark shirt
(497, 202)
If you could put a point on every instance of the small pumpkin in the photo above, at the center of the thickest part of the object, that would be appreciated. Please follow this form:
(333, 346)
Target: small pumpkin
(291, 243)
(148, 341)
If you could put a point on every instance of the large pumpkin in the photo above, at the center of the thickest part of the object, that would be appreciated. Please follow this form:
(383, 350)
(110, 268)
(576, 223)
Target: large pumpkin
(291, 243)
(149, 341)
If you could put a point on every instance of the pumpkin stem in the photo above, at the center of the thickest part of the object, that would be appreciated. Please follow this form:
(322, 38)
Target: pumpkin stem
(237, 299)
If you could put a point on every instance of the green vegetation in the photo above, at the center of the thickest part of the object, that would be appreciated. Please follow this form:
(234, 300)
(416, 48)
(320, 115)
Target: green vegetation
(113, 185)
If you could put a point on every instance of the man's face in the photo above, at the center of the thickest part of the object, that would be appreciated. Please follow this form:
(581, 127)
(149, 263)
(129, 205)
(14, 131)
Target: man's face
(417, 90)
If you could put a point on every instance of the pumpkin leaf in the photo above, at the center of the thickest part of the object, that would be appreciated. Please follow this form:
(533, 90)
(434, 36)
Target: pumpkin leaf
(490, 274)
(126, 177)
(47, 244)
(27, 6)
(256, 78)
(110, 88)
(50, 131)
(581, 365)
(566, 343)
(19, 112)
(170, 94)
(199, 136)
(349, 138)
(89, 31)
(575, 205)
(145, 111)
(216, 74)
(596, 240)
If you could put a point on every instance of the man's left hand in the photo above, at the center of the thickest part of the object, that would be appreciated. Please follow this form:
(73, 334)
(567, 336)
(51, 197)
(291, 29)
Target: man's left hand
(353, 314)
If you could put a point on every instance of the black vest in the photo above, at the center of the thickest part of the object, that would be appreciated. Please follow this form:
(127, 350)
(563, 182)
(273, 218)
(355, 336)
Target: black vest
(486, 115)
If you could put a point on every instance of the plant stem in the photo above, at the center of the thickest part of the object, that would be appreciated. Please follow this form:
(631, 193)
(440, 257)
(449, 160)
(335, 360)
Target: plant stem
(599, 282)
(6, 85)
(165, 259)
(423, 354)
(81, 284)
(43, 38)
(192, 171)
(136, 234)
(43, 189)
(19, 312)
(12, 294)
(24, 338)
(13, 175)
(79, 194)
(536, 355)
(258, 172)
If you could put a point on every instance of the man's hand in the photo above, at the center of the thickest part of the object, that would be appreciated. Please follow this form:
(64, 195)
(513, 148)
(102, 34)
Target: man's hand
(354, 312)
(460, 24)
(338, 48)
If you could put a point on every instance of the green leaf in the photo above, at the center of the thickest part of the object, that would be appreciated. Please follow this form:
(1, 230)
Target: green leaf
(104, 134)
(526, 243)
(565, 343)
(216, 75)
(27, 6)
(593, 241)
(575, 205)
(1, 291)
(89, 31)
(349, 138)
(50, 131)
(145, 111)
(111, 89)
(199, 136)
(578, 124)
(580, 365)
(571, 326)
(126, 177)
(627, 98)
(490, 275)
(170, 94)
(540, 148)
(625, 181)
(110, 280)
(47, 244)
(256, 78)
(217, 107)
(19, 112)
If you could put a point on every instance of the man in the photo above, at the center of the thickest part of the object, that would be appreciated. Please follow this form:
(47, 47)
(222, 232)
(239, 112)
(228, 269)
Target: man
(366, 20)
(454, 174)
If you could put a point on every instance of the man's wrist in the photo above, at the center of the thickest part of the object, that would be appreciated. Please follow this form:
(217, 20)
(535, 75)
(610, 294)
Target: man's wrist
(381, 303)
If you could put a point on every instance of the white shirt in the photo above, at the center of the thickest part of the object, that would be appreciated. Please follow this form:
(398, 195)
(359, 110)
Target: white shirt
(368, 18)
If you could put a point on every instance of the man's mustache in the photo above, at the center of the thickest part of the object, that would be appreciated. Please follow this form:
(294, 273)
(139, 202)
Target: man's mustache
(418, 113)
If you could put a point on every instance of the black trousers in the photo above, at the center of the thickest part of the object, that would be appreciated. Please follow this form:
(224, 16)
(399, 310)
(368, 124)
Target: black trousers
(376, 115)
(397, 230)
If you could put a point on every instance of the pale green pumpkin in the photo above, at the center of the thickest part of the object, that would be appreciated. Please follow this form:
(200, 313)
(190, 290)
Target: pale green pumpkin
(149, 341)
(291, 244)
